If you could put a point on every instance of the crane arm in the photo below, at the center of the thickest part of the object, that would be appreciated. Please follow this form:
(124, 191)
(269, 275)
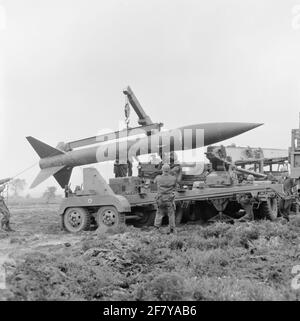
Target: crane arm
(144, 119)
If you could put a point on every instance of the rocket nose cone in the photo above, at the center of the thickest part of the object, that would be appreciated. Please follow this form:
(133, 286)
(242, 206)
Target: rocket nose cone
(221, 131)
(244, 127)
(251, 125)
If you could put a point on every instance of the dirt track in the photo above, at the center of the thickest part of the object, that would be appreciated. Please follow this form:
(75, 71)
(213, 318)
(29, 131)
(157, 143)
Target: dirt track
(244, 261)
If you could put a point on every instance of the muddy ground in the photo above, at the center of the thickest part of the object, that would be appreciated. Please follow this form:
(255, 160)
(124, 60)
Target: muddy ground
(243, 261)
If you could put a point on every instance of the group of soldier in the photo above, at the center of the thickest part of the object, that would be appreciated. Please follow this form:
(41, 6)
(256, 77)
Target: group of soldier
(166, 186)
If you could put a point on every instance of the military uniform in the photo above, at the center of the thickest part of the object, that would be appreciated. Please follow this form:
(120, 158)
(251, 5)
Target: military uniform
(176, 171)
(247, 204)
(5, 212)
(129, 163)
(285, 204)
(120, 169)
(166, 184)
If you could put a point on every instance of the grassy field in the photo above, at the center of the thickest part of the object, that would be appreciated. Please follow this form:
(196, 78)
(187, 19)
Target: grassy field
(243, 261)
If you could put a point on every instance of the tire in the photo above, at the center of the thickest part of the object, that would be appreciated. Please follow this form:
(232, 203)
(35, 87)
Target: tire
(108, 218)
(269, 209)
(233, 209)
(76, 219)
(147, 219)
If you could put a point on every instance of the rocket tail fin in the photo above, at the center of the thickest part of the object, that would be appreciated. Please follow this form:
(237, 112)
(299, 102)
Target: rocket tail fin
(44, 174)
(42, 149)
(62, 175)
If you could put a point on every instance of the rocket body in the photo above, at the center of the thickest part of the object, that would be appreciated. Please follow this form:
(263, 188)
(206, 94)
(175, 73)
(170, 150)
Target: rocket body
(59, 164)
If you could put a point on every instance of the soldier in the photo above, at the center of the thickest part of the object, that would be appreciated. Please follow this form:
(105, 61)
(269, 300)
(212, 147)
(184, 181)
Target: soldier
(166, 184)
(5, 212)
(175, 167)
(68, 191)
(240, 178)
(250, 179)
(282, 178)
(155, 160)
(247, 204)
(129, 163)
(120, 169)
(271, 177)
(285, 203)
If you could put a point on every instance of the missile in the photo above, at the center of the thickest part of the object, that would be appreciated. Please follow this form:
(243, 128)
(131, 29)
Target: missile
(59, 163)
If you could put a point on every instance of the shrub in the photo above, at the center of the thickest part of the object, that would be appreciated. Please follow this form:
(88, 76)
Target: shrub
(168, 287)
(233, 289)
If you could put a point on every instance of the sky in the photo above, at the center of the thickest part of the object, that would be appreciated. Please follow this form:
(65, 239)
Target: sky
(64, 64)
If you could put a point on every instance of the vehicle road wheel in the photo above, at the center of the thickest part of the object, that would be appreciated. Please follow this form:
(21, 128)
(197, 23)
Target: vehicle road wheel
(76, 219)
(108, 217)
(269, 209)
(146, 219)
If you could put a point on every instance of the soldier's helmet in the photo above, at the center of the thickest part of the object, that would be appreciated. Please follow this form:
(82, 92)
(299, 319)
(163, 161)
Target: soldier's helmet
(165, 168)
(250, 178)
